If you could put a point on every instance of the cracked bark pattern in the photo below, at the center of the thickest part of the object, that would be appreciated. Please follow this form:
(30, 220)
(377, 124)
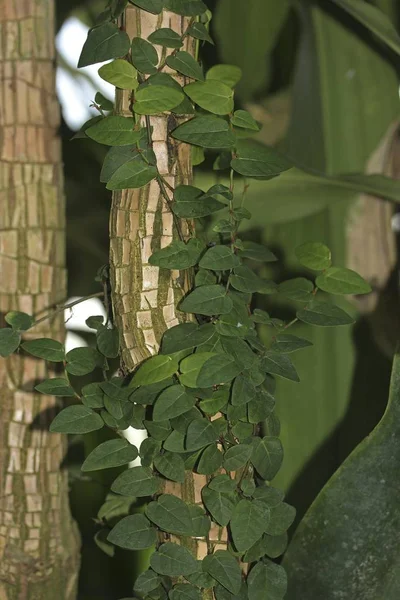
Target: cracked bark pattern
(145, 297)
(39, 546)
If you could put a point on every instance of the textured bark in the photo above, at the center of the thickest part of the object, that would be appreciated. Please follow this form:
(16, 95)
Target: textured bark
(145, 298)
(39, 547)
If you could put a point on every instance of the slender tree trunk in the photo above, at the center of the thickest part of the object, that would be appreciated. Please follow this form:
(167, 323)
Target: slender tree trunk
(39, 551)
(145, 298)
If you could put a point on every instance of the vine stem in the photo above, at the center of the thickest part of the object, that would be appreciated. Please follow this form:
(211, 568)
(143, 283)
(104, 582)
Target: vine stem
(62, 307)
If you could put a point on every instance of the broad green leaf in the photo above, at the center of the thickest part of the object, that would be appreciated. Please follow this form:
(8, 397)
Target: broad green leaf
(374, 19)
(165, 80)
(191, 202)
(298, 288)
(146, 582)
(103, 102)
(19, 320)
(222, 483)
(184, 63)
(107, 341)
(132, 175)
(220, 505)
(186, 336)
(154, 99)
(267, 578)
(201, 522)
(187, 8)
(338, 280)
(94, 321)
(172, 402)
(159, 430)
(281, 518)
(171, 465)
(237, 456)
(210, 460)
(182, 422)
(219, 369)
(222, 594)
(133, 533)
(10, 339)
(239, 351)
(280, 364)
(173, 560)
(260, 407)
(256, 160)
(115, 131)
(92, 395)
(185, 591)
(144, 56)
(81, 361)
(165, 36)
(175, 442)
(245, 280)
(81, 134)
(272, 496)
(190, 367)
(55, 387)
(207, 300)
(285, 343)
(120, 73)
(214, 96)
(200, 32)
(314, 255)
(215, 402)
(225, 569)
(219, 258)
(249, 520)
(228, 74)
(118, 156)
(256, 252)
(275, 545)
(103, 43)
(171, 514)
(242, 118)
(243, 391)
(267, 456)
(200, 433)
(178, 255)
(207, 131)
(112, 453)
(137, 481)
(155, 369)
(324, 314)
(76, 419)
(46, 348)
(153, 6)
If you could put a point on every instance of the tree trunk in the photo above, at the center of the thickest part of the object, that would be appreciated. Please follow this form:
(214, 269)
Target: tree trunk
(39, 546)
(145, 298)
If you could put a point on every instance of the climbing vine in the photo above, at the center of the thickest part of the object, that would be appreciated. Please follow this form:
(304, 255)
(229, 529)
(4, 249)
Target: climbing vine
(206, 395)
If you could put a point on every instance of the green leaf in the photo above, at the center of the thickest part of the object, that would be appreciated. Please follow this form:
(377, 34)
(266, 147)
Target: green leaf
(243, 391)
(112, 453)
(239, 351)
(133, 533)
(115, 158)
(103, 43)
(285, 343)
(146, 582)
(187, 8)
(100, 539)
(272, 496)
(214, 96)
(132, 175)
(314, 255)
(55, 387)
(256, 160)
(76, 419)
(298, 288)
(281, 518)
(81, 361)
(267, 456)
(120, 73)
(223, 483)
(228, 74)
(267, 577)
(186, 336)
(144, 56)
(374, 19)
(324, 314)
(249, 520)
(171, 465)
(107, 341)
(280, 364)
(92, 395)
(170, 514)
(94, 322)
(103, 102)
(19, 320)
(222, 594)
(172, 402)
(45, 348)
(214, 404)
(165, 36)
(237, 456)
(338, 280)
(200, 32)
(256, 252)
(245, 280)
(207, 300)
(219, 258)
(275, 545)
(225, 569)
(159, 430)
(207, 131)
(200, 433)
(260, 407)
(154, 99)
(153, 6)
(191, 202)
(184, 591)
(184, 63)
(175, 442)
(115, 131)
(217, 370)
(210, 460)
(155, 369)
(178, 255)
(173, 560)
(137, 481)
(243, 119)
(220, 505)
(10, 339)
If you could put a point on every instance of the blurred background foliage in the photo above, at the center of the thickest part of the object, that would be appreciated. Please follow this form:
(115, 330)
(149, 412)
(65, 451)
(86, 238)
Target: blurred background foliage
(327, 93)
